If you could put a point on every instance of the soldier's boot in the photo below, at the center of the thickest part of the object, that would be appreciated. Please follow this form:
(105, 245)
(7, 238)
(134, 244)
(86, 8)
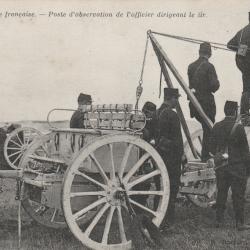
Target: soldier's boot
(219, 218)
(242, 226)
(169, 218)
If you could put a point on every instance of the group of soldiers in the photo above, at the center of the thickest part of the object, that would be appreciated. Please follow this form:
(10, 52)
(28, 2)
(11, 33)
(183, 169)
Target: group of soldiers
(227, 136)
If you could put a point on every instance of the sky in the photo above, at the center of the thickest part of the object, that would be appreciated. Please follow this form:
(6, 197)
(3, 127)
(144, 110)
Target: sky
(46, 61)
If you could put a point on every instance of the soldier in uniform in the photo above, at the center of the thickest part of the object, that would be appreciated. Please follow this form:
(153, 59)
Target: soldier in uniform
(149, 109)
(228, 134)
(203, 82)
(240, 43)
(169, 144)
(78, 116)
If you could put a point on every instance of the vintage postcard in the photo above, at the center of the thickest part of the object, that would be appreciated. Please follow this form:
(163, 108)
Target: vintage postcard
(84, 163)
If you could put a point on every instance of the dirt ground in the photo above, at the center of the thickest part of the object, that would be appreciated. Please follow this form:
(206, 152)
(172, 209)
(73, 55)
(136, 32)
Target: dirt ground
(194, 229)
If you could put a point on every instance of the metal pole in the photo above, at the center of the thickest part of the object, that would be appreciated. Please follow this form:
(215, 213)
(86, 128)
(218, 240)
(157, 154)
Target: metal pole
(178, 77)
(178, 107)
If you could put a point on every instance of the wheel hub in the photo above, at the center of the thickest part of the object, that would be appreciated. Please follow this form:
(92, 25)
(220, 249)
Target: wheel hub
(115, 195)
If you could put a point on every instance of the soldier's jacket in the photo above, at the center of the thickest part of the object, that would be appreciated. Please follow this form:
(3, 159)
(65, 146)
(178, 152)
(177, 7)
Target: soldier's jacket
(203, 78)
(243, 62)
(169, 137)
(77, 119)
(238, 149)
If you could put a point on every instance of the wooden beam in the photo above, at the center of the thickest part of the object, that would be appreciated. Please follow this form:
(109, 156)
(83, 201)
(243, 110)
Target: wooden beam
(178, 108)
(181, 81)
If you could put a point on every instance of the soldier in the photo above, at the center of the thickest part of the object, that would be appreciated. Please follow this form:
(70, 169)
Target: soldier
(228, 134)
(77, 118)
(169, 144)
(203, 82)
(240, 43)
(149, 109)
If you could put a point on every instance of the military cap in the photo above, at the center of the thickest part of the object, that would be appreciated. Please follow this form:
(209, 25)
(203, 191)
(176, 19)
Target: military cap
(149, 106)
(205, 47)
(171, 92)
(230, 107)
(83, 97)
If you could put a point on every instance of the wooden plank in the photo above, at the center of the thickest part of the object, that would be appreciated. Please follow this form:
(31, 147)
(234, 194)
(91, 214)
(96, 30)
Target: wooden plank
(178, 107)
(178, 77)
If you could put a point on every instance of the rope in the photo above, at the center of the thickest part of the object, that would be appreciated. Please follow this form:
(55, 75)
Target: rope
(197, 41)
(139, 88)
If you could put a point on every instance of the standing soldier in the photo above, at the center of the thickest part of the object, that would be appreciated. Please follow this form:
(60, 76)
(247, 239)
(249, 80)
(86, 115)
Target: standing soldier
(148, 110)
(227, 134)
(203, 82)
(77, 119)
(240, 43)
(169, 144)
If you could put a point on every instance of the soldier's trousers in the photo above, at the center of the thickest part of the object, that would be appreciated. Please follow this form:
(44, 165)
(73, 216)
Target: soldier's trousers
(174, 172)
(225, 180)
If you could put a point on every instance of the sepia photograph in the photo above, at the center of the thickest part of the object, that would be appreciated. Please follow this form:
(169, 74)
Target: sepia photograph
(124, 125)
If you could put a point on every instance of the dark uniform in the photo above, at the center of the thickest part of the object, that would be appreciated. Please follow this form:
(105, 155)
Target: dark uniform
(243, 63)
(149, 109)
(77, 119)
(203, 79)
(169, 144)
(234, 174)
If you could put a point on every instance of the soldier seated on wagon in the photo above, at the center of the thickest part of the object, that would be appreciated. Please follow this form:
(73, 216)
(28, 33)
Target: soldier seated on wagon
(77, 118)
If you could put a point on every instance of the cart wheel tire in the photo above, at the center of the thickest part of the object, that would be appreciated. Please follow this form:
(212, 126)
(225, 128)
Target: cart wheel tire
(37, 213)
(102, 232)
(17, 143)
(210, 185)
(46, 216)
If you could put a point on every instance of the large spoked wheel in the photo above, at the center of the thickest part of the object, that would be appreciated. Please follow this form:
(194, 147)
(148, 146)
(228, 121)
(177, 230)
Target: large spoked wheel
(46, 213)
(138, 166)
(17, 143)
(208, 186)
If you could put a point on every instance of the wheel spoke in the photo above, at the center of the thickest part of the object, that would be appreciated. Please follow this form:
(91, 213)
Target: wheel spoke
(19, 139)
(142, 207)
(149, 192)
(144, 178)
(107, 225)
(112, 174)
(125, 160)
(18, 152)
(54, 215)
(94, 193)
(96, 219)
(136, 167)
(16, 143)
(18, 157)
(78, 214)
(99, 167)
(90, 179)
(27, 140)
(121, 225)
(13, 148)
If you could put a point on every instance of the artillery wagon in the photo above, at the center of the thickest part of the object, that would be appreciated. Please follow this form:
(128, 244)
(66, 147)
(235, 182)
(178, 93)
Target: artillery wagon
(79, 177)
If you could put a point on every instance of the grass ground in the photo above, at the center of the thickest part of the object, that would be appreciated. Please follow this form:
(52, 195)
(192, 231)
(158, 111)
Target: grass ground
(194, 229)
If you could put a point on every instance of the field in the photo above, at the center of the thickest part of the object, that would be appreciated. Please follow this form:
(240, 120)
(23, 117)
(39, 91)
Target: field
(194, 227)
